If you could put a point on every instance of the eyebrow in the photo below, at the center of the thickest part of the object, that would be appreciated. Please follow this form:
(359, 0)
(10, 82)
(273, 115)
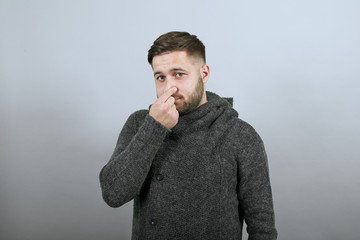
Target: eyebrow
(172, 70)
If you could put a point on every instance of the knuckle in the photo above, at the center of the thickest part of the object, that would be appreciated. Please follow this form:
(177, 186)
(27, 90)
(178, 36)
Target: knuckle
(165, 109)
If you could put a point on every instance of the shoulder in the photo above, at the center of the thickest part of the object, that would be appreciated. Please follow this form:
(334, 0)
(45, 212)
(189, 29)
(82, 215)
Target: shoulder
(139, 115)
(243, 133)
(234, 128)
(245, 144)
(136, 119)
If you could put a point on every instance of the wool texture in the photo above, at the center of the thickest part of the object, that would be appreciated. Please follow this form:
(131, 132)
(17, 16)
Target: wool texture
(199, 180)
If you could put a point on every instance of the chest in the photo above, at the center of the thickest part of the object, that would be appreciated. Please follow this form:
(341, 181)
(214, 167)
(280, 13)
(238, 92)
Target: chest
(195, 159)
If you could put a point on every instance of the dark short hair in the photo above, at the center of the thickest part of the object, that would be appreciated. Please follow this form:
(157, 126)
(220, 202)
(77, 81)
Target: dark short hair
(177, 41)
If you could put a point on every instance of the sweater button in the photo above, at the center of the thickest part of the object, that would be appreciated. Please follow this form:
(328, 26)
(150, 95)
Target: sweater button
(167, 138)
(159, 177)
(153, 222)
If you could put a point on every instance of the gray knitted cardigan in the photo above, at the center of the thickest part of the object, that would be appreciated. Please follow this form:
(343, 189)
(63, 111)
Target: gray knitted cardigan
(198, 181)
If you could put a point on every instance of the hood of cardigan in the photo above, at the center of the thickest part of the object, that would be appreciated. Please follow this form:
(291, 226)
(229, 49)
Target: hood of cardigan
(206, 114)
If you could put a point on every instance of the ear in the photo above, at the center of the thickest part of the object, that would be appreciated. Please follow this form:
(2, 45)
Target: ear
(205, 73)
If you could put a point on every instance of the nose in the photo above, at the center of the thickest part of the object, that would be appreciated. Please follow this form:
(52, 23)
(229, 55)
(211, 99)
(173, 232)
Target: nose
(170, 83)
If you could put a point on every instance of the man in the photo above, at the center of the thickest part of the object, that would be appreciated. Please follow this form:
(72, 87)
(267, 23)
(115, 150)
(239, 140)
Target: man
(193, 168)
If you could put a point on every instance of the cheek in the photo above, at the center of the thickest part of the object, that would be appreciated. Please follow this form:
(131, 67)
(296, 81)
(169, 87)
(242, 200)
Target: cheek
(189, 87)
(159, 89)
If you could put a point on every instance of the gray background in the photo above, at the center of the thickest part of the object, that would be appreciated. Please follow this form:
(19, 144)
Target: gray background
(72, 71)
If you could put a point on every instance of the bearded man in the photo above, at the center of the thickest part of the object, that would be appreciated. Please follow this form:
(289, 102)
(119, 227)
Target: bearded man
(192, 167)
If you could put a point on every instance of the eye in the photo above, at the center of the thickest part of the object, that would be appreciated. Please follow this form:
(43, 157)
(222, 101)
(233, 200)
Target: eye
(160, 78)
(179, 75)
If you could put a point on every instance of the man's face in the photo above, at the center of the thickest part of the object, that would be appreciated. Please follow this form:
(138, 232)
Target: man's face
(187, 73)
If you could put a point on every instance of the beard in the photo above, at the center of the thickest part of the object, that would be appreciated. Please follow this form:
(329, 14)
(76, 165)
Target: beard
(194, 99)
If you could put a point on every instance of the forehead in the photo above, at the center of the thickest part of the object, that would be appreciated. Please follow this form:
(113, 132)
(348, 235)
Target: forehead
(173, 58)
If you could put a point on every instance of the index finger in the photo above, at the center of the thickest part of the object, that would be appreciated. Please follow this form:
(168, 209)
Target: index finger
(167, 94)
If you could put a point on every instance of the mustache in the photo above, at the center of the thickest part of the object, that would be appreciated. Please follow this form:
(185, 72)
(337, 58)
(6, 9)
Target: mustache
(177, 96)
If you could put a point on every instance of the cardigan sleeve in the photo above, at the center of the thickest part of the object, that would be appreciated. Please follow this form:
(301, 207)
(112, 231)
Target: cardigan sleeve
(123, 176)
(254, 190)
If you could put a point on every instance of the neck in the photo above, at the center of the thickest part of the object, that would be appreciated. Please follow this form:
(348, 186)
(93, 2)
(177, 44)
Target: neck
(204, 99)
